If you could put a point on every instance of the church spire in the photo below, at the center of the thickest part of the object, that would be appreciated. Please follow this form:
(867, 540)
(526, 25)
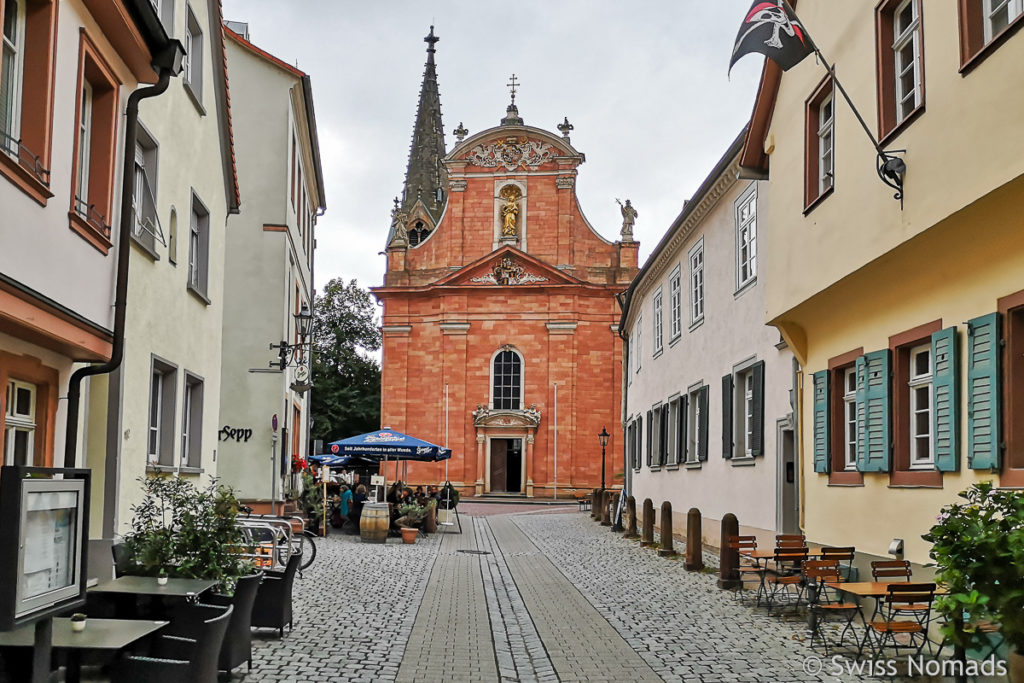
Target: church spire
(426, 179)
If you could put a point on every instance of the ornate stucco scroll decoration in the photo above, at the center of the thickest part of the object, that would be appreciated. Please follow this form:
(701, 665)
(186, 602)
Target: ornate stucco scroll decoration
(565, 182)
(508, 272)
(510, 211)
(485, 416)
(511, 153)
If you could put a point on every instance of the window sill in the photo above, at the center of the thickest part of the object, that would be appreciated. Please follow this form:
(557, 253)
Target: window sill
(194, 97)
(89, 233)
(655, 468)
(980, 56)
(693, 465)
(915, 479)
(199, 295)
(145, 248)
(813, 204)
(846, 478)
(675, 340)
(658, 352)
(671, 468)
(698, 322)
(24, 180)
(745, 461)
(745, 287)
(888, 138)
(170, 469)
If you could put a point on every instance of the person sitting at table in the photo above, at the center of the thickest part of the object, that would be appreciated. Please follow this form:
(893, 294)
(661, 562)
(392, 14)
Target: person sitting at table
(358, 500)
(344, 505)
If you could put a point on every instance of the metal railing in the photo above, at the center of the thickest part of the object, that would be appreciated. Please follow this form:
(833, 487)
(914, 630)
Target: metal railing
(25, 157)
(273, 539)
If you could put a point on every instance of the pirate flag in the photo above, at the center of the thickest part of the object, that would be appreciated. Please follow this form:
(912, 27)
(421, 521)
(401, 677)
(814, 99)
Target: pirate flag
(772, 28)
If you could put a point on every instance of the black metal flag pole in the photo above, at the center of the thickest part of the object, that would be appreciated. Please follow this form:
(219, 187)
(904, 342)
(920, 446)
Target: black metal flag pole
(772, 28)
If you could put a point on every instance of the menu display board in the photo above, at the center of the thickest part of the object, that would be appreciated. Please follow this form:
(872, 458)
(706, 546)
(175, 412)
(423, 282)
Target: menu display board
(50, 536)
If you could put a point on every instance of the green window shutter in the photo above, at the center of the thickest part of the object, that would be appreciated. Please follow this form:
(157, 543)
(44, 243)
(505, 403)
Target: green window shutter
(821, 437)
(873, 402)
(983, 398)
(702, 401)
(663, 440)
(681, 424)
(946, 400)
(650, 437)
(727, 416)
(757, 438)
(639, 441)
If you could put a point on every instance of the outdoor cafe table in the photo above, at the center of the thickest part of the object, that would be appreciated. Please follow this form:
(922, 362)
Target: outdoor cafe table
(99, 634)
(872, 589)
(769, 553)
(147, 585)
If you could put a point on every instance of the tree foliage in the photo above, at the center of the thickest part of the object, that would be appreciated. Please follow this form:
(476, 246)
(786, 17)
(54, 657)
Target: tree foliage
(346, 378)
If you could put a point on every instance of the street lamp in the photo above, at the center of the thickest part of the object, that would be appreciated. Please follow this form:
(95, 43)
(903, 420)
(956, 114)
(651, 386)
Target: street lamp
(304, 322)
(286, 351)
(603, 436)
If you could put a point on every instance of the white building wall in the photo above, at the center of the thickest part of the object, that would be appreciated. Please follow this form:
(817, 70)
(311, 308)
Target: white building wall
(265, 261)
(733, 331)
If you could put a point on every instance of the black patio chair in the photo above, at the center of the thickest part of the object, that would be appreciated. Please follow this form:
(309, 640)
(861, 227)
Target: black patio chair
(179, 658)
(273, 606)
(237, 647)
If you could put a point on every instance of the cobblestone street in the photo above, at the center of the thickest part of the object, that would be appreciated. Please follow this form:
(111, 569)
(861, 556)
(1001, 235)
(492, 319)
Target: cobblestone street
(535, 595)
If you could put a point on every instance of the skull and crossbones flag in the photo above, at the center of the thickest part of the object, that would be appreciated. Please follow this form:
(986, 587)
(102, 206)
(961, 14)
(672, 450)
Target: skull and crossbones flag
(772, 28)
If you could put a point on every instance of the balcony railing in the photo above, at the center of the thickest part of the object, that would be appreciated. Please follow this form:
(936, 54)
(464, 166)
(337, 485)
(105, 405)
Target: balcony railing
(26, 159)
(92, 217)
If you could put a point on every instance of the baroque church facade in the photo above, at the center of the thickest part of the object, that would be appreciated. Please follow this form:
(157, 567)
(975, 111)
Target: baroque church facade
(500, 318)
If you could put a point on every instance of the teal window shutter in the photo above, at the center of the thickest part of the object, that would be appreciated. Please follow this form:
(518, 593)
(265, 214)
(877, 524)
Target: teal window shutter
(727, 416)
(873, 408)
(681, 423)
(946, 399)
(821, 459)
(702, 445)
(757, 439)
(983, 392)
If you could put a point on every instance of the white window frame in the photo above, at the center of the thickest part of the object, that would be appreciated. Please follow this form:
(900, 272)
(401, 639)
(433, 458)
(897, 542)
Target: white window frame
(194, 247)
(659, 322)
(138, 189)
(13, 53)
(746, 237)
(156, 413)
(917, 383)
(826, 144)
(909, 36)
(674, 404)
(15, 422)
(84, 155)
(522, 377)
(186, 423)
(743, 412)
(990, 8)
(850, 426)
(192, 65)
(693, 418)
(675, 302)
(696, 259)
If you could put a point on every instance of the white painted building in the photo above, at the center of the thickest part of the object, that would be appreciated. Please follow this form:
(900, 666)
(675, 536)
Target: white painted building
(269, 270)
(707, 415)
(68, 69)
(162, 405)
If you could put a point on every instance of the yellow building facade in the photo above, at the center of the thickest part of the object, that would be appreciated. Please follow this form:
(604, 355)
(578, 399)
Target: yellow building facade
(907, 320)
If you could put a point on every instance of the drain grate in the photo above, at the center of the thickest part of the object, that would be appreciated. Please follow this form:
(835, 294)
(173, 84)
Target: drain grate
(474, 552)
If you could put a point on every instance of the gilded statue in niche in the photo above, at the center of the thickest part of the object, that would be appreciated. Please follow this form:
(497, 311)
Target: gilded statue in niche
(510, 211)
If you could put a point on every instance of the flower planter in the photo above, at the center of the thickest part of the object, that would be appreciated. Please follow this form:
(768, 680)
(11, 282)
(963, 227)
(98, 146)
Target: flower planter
(409, 534)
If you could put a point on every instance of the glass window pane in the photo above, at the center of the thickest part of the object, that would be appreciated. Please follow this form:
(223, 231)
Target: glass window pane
(21, 447)
(23, 401)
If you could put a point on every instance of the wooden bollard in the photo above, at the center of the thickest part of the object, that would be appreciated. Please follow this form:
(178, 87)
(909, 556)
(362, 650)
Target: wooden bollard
(694, 542)
(595, 503)
(647, 537)
(667, 542)
(729, 563)
(606, 501)
(631, 518)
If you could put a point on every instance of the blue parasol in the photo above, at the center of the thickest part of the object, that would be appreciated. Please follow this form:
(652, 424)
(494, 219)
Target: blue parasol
(330, 460)
(387, 444)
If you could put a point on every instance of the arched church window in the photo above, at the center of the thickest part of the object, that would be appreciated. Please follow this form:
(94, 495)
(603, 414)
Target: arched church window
(418, 233)
(508, 380)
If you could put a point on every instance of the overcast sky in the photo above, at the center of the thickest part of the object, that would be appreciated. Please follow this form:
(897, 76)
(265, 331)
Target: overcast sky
(643, 82)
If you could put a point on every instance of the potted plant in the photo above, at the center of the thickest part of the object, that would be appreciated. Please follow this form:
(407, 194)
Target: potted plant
(77, 622)
(978, 548)
(410, 517)
(161, 577)
(181, 530)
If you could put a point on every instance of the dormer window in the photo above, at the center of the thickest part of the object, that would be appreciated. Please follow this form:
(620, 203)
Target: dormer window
(418, 233)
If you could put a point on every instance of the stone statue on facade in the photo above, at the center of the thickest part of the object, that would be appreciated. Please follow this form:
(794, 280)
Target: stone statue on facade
(629, 215)
(510, 211)
(399, 229)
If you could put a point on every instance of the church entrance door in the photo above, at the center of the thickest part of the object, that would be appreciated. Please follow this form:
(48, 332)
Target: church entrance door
(507, 465)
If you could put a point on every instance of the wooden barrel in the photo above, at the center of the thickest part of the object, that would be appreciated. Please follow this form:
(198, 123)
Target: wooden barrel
(374, 523)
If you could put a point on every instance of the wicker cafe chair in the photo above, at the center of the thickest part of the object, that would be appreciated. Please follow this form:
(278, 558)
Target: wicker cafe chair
(783, 582)
(179, 658)
(744, 545)
(824, 606)
(900, 599)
